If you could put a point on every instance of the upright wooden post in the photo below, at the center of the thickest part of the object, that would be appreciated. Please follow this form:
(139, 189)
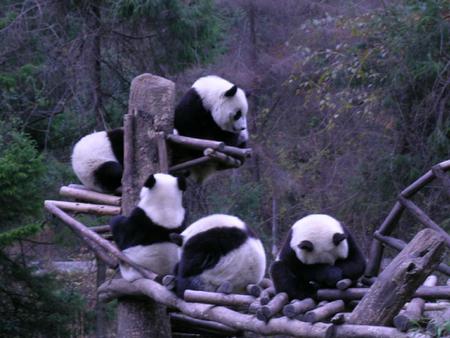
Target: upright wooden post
(150, 111)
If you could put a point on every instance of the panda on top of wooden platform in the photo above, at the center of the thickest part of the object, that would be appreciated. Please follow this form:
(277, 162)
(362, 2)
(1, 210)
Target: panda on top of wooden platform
(144, 236)
(213, 109)
(318, 252)
(219, 253)
(97, 160)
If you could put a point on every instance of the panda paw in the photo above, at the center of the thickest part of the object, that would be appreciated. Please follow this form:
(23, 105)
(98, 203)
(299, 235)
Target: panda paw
(225, 288)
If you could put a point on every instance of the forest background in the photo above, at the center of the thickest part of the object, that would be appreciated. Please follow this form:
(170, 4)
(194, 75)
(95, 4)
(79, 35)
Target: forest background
(349, 104)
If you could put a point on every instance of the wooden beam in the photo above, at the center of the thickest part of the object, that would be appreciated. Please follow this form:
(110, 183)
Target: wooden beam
(162, 152)
(229, 161)
(189, 164)
(297, 307)
(400, 279)
(218, 298)
(324, 312)
(195, 143)
(87, 208)
(90, 196)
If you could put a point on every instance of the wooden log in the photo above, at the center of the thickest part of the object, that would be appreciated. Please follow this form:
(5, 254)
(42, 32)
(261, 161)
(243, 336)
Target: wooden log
(366, 331)
(78, 186)
(179, 320)
(439, 306)
(376, 249)
(87, 208)
(254, 306)
(437, 292)
(241, 153)
(399, 245)
(423, 180)
(265, 283)
(423, 218)
(324, 312)
(90, 236)
(297, 307)
(344, 284)
(150, 111)
(189, 164)
(218, 298)
(413, 312)
(398, 282)
(90, 196)
(273, 307)
(442, 177)
(267, 294)
(195, 143)
(254, 290)
(162, 152)
(229, 161)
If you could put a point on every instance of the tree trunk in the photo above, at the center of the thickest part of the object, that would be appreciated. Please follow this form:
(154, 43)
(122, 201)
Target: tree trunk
(151, 107)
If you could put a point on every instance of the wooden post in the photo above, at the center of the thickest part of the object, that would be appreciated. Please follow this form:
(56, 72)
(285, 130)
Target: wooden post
(151, 107)
(398, 282)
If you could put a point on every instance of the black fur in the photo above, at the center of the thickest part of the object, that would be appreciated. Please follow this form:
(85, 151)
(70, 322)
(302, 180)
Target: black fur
(231, 92)
(109, 176)
(115, 137)
(203, 251)
(300, 280)
(193, 120)
(139, 229)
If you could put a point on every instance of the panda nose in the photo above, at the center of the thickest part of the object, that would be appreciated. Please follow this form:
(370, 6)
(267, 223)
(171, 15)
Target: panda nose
(243, 128)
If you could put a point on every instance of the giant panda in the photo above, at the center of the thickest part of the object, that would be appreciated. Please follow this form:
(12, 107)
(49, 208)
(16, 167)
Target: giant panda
(219, 253)
(97, 160)
(144, 236)
(318, 252)
(214, 109)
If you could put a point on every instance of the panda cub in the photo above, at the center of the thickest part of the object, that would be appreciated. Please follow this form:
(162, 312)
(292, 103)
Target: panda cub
(318, 252)
(219, 253)
(144, 236)
(97, 160)
(213, 109)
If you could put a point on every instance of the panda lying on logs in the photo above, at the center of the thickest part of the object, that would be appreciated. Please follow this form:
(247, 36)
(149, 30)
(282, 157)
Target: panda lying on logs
(219, 253)
(318, 252)
(97, 160)
(144, 236)
(213, 109)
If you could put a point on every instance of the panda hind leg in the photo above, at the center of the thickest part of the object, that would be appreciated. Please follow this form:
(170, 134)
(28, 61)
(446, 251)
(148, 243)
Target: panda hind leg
(190, 283)
(109, 176)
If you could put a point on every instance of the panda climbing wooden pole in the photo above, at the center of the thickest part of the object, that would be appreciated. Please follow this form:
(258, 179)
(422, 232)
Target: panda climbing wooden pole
(151, 106)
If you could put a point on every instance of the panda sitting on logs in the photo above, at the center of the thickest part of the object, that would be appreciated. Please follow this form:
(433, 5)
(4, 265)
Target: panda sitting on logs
(318, 252)
(144, 236)
(213, 109)
(218, 253)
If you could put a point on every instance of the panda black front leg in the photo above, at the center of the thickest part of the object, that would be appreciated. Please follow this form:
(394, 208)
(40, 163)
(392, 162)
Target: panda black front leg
(285, 281)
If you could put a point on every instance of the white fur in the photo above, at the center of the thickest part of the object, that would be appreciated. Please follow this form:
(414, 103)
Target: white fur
(160, 258)
(88, 154)
(319, 230)
(240, 267)
(210, 222)
(243, 266)
(163, 202)
(211, 89)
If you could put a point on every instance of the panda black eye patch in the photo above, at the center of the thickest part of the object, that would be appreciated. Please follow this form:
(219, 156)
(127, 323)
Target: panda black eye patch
(237, 116)
(306, 245)
(338, 238)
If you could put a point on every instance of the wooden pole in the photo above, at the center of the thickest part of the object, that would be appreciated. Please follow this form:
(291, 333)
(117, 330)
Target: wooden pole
(90, 196)
(150, 111)
(398, 282)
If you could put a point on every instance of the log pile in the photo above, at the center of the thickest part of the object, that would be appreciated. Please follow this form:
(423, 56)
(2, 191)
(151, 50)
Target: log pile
(261, 309)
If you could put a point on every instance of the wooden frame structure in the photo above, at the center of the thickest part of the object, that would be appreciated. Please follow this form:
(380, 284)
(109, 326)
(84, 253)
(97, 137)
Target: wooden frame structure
(261, 310)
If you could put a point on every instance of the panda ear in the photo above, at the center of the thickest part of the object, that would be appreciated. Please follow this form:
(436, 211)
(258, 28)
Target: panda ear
(306, 245)
(338, 238)
(181, 183)
(150, 182)
(231, 92)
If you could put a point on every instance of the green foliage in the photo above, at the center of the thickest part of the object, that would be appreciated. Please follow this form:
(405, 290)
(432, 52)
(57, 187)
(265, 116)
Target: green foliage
(192, 28)
(34, 305)
(21, 173)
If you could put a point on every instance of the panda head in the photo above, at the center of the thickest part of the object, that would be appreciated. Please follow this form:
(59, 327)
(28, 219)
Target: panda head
(319, 239)
(161, 198)
(226, 102)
